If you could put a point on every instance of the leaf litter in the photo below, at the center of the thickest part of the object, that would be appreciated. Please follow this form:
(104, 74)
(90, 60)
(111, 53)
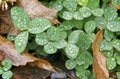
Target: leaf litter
(99, 60)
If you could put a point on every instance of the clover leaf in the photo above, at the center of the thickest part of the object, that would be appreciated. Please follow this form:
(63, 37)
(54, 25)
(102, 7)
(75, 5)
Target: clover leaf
(83, 42)
(7, 75)
(50, 48)
(55, 34)
(70, 5)
(73, 37)
(41, 38)
(108, 53)
(118, 75)
(82, 2)
(39, 25)
(108, 35)
(7, 64)
(84, 58)
(67, 15)
(21, 41)
(70, 64)
(111, 63)
(78, 16)
(116, 2)
(116, 44)
(113, 26)
(101, 22)
(59, 44)
(71, 51)
(105, 45)
(110, 13)
(90, 26)
(20, 18)
(85, 11)
(57, 5)
(93, 4)
(97, 12)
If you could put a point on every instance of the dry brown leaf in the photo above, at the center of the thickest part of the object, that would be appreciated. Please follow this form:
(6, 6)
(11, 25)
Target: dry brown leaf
(21, 59)
(99, 60)
(6, 25)
(29, 72)
(35, 9)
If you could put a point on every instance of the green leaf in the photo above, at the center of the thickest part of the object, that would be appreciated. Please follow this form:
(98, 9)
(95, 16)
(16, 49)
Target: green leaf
(111, 63)
(116, 44)
(20, 18)
(21, 41)
(110, 13)
(1, 71)
(70, 5)
(90, 26)
(93, 4)
(7, 75)
(117, 57)
(105, 45)
(50, 48)
(101, 22)
(60, 44)
(97, 12)
(66, 25)
(85, 12)
(54, 33)
(80, 71)
(73, 37)
(7, 64)
(84, 58)
(108, 53)
(82, 2)
(41, 38)
(10, 37)
(63, 34)
(57, 5)
(118, 75)
(40, 50)
(39, 25)
(71, 51)
(70, 64)
(78, 16)
(78, 24)
(113, 26)
(116, 2)
(32, 45)
(91, 37)
(67, 15)
(83, 42)
(108, 35)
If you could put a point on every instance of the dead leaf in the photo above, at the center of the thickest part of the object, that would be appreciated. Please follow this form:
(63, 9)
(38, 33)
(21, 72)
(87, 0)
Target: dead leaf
(99, 60)
(6, 25)
(21, 59)
(29, 72)
(35, 9)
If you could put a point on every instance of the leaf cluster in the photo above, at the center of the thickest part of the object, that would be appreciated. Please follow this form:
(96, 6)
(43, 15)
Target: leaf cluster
(80, 20)
(5, 69)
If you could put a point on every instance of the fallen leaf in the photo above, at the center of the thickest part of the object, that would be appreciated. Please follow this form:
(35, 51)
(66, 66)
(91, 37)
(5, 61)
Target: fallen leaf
(29, 72)
(99, 60)
(21, 59)
(35, 9)
(6, 25)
